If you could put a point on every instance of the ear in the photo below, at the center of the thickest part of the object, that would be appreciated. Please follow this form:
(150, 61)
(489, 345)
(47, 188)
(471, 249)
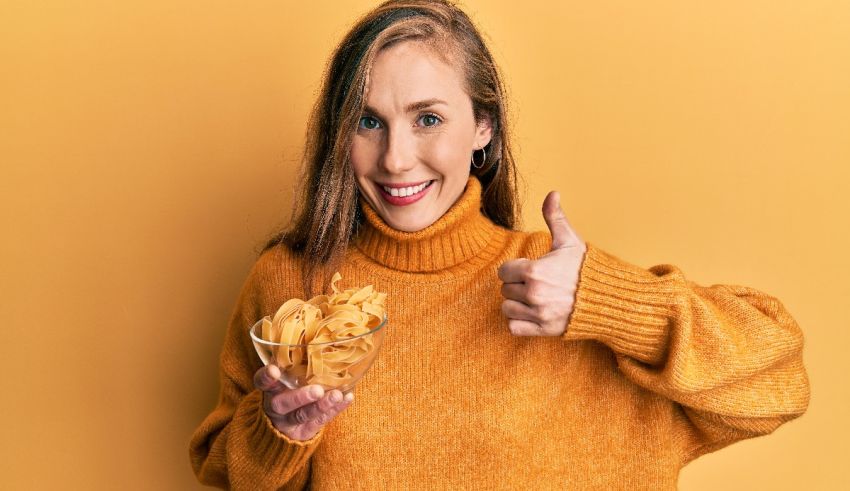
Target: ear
(483, 132)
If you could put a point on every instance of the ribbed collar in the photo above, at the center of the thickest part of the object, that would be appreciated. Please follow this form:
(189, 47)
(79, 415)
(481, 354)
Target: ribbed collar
(461, 234)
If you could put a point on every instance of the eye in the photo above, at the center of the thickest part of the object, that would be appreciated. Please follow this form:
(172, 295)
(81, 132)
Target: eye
(430, 120)
(369, 123)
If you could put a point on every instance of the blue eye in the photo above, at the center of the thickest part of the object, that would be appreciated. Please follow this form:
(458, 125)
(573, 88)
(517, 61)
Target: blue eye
(429, 120)
(369, 123)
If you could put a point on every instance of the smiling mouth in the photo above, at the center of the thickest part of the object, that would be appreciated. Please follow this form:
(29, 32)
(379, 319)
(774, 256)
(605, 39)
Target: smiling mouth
(405, 191)
(403, 196)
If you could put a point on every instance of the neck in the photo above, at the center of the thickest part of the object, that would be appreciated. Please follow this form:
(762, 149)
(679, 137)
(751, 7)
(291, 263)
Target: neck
(461, 234)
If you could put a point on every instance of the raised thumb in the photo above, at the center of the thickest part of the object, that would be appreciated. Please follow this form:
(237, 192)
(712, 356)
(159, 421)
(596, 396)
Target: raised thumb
(557, 222)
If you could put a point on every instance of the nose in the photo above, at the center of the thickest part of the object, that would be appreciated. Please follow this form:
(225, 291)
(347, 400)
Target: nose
(399, 155)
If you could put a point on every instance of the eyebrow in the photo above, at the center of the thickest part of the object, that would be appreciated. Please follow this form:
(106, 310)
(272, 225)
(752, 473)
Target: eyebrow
(413, 106)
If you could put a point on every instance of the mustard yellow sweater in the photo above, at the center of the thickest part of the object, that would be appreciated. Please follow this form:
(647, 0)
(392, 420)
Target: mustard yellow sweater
(652, 371)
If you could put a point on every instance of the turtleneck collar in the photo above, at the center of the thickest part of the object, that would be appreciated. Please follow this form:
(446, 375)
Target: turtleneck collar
(461, 234)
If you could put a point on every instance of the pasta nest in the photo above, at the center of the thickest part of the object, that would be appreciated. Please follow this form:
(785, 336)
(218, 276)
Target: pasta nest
(321, 339)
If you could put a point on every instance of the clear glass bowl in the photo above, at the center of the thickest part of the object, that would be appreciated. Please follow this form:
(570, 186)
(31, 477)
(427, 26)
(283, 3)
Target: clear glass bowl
(340, 363)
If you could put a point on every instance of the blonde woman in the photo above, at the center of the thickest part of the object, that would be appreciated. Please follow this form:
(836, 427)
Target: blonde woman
(514, 360)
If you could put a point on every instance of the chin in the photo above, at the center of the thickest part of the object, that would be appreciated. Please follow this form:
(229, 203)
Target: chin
(411, 226)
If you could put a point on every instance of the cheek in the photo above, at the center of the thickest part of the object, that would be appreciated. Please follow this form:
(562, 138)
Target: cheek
(361, 157)
(448, 154)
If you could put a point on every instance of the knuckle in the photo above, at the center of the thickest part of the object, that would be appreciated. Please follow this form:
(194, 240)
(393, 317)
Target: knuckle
(534, 271)
(325, 418)
(277, 403)
(300, 416)
(285, 402)
(558, 311)
(303, 397)
(562, 310)
(327, 404)
(534, 294)
(321, 405)
(542, 312)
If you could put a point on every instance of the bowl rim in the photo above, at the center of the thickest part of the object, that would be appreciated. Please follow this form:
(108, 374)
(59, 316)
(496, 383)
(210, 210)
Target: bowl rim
(260, 340)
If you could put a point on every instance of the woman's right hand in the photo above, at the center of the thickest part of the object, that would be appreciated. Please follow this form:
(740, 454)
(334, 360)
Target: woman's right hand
(298, 413)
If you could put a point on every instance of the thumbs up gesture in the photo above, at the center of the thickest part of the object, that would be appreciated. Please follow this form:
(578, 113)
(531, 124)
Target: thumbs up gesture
(540, 294)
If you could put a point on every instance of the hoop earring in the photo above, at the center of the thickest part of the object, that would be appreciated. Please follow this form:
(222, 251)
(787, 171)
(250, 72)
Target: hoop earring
(482, 160)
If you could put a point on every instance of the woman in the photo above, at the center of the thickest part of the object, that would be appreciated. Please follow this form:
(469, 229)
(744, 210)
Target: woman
(512, 359)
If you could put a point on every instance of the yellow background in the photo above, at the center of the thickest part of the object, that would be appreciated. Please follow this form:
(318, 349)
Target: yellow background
(148, 147)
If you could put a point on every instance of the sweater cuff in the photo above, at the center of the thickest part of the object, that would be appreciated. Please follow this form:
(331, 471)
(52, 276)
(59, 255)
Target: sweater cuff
(283, 455)
(626, 307)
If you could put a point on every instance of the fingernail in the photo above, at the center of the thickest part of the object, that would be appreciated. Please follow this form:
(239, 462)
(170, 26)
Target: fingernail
(335, 397)
(316, 392)
(349, 397)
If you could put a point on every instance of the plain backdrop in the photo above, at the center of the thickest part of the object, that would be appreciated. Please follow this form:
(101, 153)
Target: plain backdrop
(148, 148)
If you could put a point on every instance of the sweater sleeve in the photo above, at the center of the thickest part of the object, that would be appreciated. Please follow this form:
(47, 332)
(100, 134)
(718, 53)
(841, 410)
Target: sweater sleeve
(728, 356)
(237, 446)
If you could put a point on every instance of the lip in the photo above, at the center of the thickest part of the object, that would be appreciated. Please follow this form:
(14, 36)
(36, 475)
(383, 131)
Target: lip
(402, 184)
(406, 200)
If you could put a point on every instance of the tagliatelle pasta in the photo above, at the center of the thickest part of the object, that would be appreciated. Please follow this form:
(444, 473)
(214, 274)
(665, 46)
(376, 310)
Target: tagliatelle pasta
(312, 330)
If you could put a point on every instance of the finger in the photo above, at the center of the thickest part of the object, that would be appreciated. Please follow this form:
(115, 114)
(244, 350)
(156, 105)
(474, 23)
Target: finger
(514, 271)
(308, 413)
(520, 327)
(315, 409)
(516, 291)
(288, 401)
(557, 222)
(518, 310)
(267, 379)
(330, 400)
(325, 418)
(301, 415)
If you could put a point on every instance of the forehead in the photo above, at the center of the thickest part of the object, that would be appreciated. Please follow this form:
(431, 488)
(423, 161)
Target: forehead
(410, 71)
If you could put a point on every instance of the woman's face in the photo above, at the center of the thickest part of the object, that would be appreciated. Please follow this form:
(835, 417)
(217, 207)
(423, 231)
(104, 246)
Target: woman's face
(412, 149)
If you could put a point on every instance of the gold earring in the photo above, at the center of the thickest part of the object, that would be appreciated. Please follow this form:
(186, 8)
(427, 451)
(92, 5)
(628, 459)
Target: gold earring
(482, 160)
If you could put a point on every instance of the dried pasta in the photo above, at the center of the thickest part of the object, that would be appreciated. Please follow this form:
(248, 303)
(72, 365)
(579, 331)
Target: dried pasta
(308, 327)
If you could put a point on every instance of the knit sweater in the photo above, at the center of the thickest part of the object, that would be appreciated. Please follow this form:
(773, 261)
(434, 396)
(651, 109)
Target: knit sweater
(652, 371)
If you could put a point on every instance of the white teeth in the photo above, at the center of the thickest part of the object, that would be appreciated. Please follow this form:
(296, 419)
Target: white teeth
(408, 191)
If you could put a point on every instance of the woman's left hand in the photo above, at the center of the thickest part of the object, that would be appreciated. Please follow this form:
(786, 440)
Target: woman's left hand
(540, 294)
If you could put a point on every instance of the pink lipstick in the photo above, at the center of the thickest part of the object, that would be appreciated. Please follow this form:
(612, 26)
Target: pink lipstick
(403, 200)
